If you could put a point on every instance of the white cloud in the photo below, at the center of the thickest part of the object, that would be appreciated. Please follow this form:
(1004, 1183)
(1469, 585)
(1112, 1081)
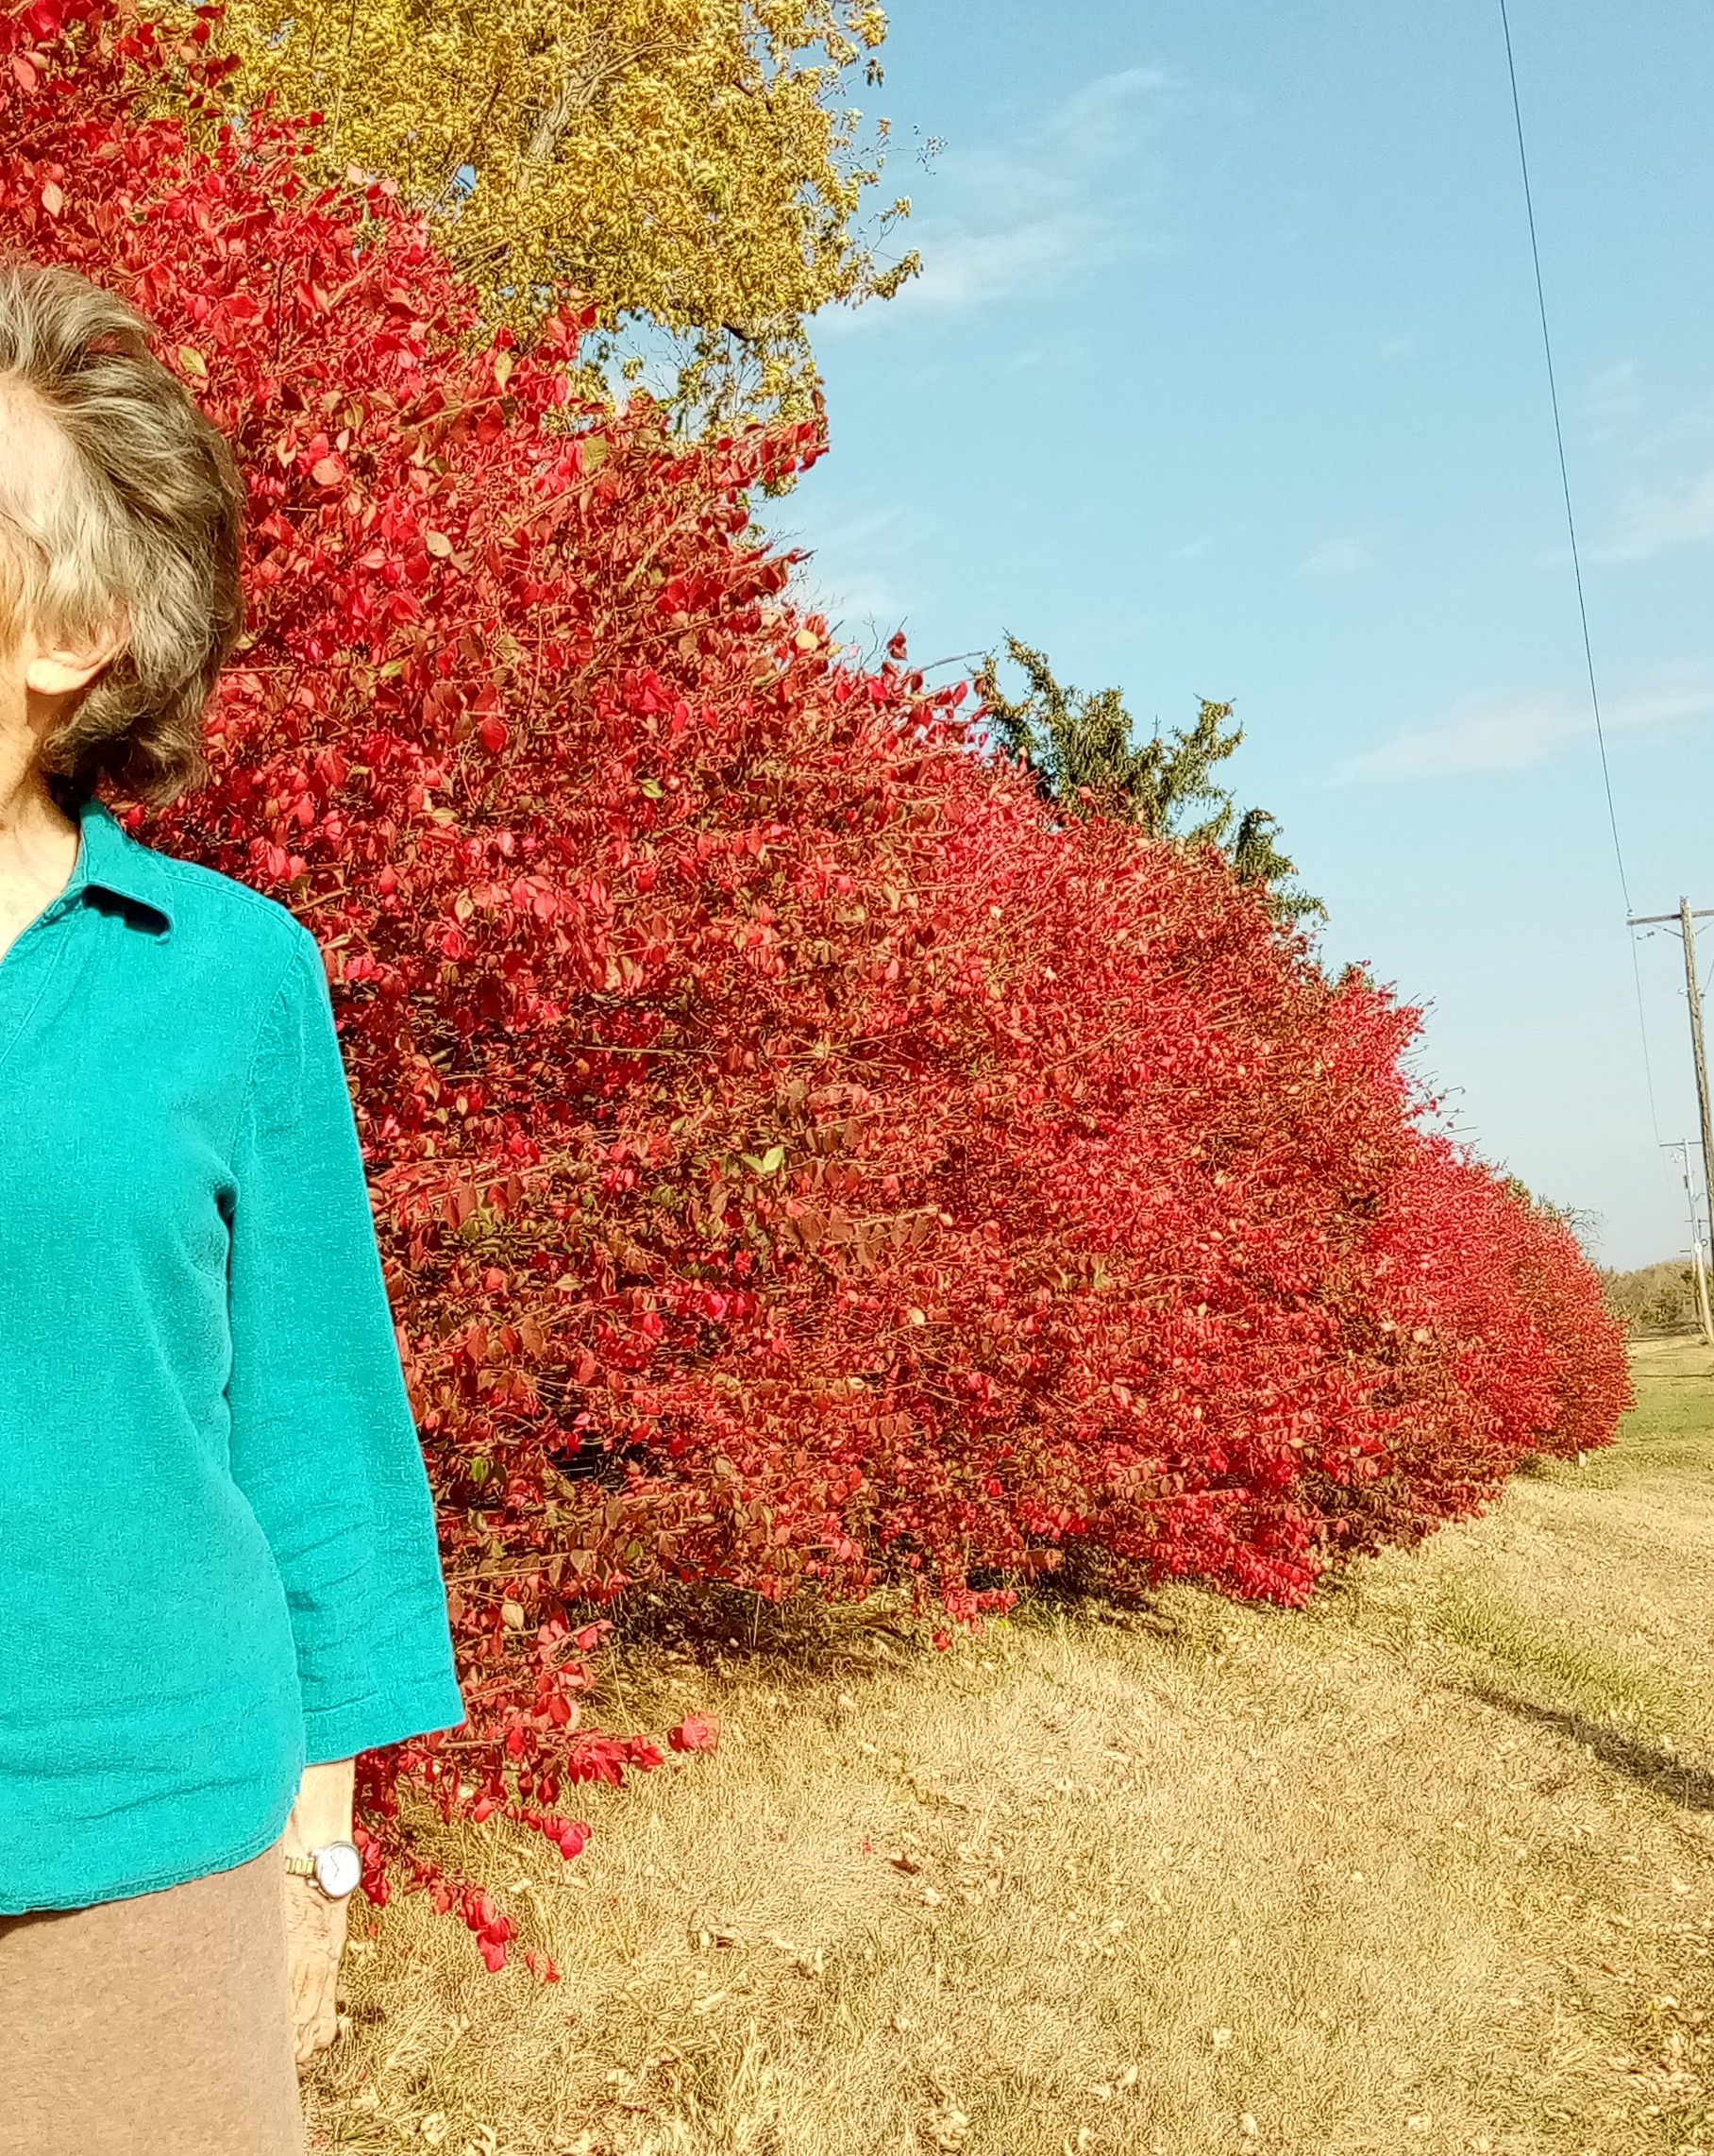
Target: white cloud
(1202, 542)
(1495, 730)
(846, 576)
(1612, 401)
(1338, 558)
(966, 269)
(1021, 215)
(1656, 523)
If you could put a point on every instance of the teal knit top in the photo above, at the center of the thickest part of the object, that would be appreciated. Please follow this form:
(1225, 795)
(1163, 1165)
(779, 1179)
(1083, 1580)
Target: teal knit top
(217, 1549)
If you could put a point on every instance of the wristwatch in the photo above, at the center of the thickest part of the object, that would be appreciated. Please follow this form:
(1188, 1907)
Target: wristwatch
(337, 1869)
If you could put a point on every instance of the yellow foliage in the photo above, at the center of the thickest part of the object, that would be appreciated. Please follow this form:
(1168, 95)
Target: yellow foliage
(689, 163)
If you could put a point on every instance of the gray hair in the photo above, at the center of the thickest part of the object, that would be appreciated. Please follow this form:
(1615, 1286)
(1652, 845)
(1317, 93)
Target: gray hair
(139, 529)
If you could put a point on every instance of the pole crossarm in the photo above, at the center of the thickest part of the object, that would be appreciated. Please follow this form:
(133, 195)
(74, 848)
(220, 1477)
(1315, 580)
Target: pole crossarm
(1649, 920)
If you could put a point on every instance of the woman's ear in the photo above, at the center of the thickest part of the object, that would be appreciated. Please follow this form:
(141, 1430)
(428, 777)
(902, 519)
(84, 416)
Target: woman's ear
(66, 664)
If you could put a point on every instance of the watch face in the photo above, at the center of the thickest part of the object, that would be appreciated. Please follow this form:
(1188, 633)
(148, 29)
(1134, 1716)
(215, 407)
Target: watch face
(339, 1869)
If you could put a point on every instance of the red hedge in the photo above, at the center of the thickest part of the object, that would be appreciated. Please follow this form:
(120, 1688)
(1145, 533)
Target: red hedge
(797, 1161)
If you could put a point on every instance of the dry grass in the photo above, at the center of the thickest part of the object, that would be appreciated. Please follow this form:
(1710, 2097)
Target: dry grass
(1427, 1869)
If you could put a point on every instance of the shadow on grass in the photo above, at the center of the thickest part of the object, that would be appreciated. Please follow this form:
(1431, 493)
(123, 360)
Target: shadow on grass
(1689, 1787)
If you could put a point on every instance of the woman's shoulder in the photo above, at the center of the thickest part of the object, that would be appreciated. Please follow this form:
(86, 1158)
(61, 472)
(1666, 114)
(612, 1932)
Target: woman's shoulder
(226, 923)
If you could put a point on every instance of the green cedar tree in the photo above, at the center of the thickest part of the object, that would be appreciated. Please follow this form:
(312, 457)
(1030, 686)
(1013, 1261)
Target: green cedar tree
(1086, 760)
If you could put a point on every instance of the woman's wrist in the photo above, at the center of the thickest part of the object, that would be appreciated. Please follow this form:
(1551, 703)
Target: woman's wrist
(323, 1813)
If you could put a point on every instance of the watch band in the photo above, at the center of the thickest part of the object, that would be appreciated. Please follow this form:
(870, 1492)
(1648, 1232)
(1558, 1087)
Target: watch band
(337, 1869)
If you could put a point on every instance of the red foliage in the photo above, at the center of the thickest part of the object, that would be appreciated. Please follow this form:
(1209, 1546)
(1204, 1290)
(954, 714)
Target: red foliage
(798, 1162)
(1490, 1327)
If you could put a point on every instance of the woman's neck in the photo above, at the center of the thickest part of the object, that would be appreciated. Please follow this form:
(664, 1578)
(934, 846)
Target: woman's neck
(38, 850)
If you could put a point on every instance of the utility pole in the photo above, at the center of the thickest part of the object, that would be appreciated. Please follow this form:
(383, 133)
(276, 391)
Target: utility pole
(1682, 1148)
(1693, 994)
(1684, 920)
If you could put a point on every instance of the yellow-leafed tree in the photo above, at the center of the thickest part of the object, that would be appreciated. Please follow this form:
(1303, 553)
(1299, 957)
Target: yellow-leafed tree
(691, 166)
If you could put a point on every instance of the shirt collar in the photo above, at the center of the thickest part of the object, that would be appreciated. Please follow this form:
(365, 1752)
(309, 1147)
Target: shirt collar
(110, 860)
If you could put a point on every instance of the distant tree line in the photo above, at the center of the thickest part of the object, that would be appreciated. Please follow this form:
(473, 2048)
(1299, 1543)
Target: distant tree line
(1653, 1298)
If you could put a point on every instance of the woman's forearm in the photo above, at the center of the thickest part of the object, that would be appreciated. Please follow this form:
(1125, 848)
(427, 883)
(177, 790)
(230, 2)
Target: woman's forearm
(315, 1927)
(323, 1811)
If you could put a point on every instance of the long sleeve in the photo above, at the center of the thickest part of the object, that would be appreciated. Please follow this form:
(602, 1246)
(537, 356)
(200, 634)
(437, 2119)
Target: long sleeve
(324, 1448)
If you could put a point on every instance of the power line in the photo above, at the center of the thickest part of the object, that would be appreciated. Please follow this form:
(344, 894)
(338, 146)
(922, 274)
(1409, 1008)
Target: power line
(1565, 476)
(1642, 1030)
(1570, 525)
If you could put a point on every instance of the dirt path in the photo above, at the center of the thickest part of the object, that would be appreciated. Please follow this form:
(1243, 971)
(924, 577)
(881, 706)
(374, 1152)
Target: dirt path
(1430, 1868)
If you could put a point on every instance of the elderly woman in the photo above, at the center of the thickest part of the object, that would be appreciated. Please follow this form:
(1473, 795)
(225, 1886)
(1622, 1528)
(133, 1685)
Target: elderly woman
(218, 1578)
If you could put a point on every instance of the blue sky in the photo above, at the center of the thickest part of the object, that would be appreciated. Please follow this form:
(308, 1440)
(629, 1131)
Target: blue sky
(1224, 378)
